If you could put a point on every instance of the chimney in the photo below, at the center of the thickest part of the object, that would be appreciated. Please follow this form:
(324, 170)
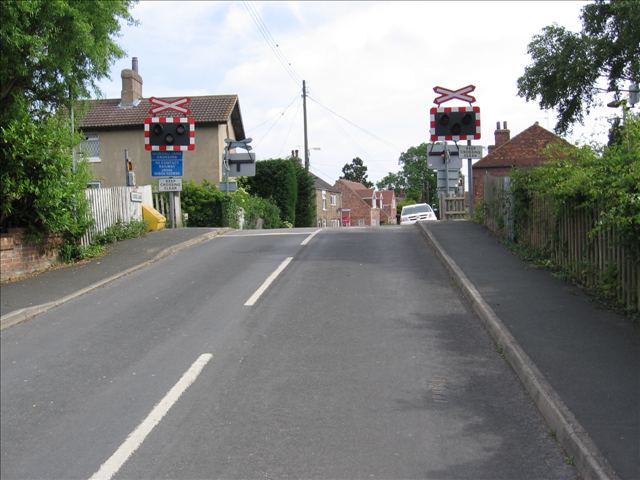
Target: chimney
(502, 135)
(131, 85)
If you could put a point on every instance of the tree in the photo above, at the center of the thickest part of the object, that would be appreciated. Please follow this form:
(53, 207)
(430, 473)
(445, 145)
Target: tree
(567, 66)
(55, 49)
(420, 181)
(356, 171)
(52, 51)
(393, 181)
(306, 201)
(276, 180)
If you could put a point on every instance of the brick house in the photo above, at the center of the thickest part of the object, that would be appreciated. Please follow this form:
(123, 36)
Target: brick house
(364, 206)
(328, 203)
(525, 150)
(112, 125)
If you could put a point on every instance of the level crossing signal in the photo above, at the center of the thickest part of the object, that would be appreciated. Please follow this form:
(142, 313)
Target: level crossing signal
(455, 123)
(169, 134)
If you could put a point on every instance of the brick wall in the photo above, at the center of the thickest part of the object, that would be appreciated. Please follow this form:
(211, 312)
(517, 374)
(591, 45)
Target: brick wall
(359, 209)
(18, 257)
(478, 180)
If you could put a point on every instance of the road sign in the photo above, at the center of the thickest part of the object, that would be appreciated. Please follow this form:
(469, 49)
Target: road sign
(453, 177)
(460, 94)
(166, 164)
(435, 157)
(228, 186)
(455, 123)
(242, 164)
(176, 104)
(170, 185)
(470, 151)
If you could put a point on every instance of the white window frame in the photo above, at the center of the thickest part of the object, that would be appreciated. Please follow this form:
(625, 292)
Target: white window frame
(324, 200)
(91, 137)
(334, 199)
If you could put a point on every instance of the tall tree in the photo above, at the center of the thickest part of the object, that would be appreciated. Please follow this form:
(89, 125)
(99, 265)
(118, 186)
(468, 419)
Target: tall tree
(420, 181)
(52, 50)
(356, 171)
(393, 181)
(566, 66)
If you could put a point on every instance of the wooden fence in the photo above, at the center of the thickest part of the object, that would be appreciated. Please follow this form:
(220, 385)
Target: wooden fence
(110, 205)
(566, 235)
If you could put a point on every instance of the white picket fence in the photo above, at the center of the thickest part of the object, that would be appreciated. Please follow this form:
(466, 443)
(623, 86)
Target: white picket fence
(110, 205)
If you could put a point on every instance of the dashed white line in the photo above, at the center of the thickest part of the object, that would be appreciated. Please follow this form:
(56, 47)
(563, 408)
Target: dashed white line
(109, 468)
(254, 298)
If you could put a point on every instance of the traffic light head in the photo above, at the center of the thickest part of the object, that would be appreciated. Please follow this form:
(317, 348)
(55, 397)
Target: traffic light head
(169, 133)
(455, 123)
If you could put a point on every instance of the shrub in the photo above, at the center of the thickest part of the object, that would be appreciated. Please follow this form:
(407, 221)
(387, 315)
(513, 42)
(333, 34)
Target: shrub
(276, 180)
(206, 206)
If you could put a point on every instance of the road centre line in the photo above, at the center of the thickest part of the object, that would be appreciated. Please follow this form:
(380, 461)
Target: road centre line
(308, 239)
(235, 235)
(254, 298)
(109, 468)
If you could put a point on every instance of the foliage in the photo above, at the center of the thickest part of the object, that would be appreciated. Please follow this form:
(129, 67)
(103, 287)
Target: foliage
(276, 180)
(206, 206)
(356, 171)
(420, 180)
(40, 189)
(608, 181)
(306, 201)
(393, 181)
(567, 66)
(121, 231)
(256, 208)
(55, 49)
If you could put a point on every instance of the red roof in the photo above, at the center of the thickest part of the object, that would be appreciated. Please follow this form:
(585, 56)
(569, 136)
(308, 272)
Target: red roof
(212, 109)
(524, 150)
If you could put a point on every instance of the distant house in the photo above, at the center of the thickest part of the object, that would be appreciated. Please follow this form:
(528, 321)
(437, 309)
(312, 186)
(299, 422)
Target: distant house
(364, 206)
(525, 150)
(112, 126)
(328, 204)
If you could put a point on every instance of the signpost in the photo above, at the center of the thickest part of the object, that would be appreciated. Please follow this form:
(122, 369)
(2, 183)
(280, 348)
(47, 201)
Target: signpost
(470, 151)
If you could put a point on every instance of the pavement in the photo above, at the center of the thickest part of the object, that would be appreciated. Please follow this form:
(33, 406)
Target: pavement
(578, 361)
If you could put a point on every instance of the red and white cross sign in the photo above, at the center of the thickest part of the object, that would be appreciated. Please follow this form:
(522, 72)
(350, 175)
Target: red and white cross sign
(163, 105)
(460, 94)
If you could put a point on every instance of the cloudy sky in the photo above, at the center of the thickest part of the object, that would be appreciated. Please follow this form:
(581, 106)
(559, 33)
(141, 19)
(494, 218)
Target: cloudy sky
(370, 69)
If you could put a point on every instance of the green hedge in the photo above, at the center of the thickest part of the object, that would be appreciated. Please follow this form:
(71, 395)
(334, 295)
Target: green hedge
(206, 206)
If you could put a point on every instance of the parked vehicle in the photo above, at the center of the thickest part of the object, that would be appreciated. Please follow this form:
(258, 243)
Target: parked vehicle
(418, 211)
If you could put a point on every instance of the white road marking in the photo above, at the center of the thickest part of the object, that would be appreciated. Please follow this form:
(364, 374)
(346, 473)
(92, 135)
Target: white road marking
(109, 468)
(248, 235)
(254, 298)
(308, 239)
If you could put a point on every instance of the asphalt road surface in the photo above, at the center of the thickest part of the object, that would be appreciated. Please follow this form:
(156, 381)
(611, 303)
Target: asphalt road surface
(347, 354)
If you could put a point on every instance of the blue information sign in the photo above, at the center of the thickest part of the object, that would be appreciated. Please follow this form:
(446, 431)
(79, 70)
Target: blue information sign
(166, 164)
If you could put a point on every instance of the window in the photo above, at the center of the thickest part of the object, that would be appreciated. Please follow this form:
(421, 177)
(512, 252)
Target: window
(334, 199)
(93, 184)
(324, 200)
(90, 147)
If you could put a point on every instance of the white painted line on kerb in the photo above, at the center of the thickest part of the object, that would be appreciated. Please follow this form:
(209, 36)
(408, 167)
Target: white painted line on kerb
(109, 468)
(254, 298)
(308, 239)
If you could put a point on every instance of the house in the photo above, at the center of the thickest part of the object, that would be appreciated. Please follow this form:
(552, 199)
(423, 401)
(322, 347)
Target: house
(328, 203)
(113, 126)
(364, 206)
(525, 150)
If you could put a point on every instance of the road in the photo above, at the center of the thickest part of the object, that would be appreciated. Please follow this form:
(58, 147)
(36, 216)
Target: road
(357, 360)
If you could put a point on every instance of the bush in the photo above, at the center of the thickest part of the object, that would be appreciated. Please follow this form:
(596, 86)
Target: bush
(39, 188)
(121, 231)
(257, 208)
(206, 206)
(276, 180)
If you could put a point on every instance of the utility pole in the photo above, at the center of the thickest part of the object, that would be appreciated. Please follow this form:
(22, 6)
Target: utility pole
(304, 110)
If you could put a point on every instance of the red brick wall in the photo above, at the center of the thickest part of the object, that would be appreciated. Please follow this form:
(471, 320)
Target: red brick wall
(19, 257)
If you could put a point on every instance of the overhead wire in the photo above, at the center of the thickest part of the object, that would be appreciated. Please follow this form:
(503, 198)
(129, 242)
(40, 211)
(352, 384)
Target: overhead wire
(278, 119)
(290, 128)
(272, 44)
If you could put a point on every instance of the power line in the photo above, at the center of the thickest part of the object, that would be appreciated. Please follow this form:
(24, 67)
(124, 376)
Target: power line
(270, 41)
(277, 120)
(377, 137)
(277, 116)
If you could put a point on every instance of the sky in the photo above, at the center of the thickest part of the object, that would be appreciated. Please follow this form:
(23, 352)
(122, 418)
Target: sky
(370, 70)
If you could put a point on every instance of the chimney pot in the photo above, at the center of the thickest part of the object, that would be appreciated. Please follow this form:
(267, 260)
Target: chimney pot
(134, 64)
(504, 125)
(497, 125)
